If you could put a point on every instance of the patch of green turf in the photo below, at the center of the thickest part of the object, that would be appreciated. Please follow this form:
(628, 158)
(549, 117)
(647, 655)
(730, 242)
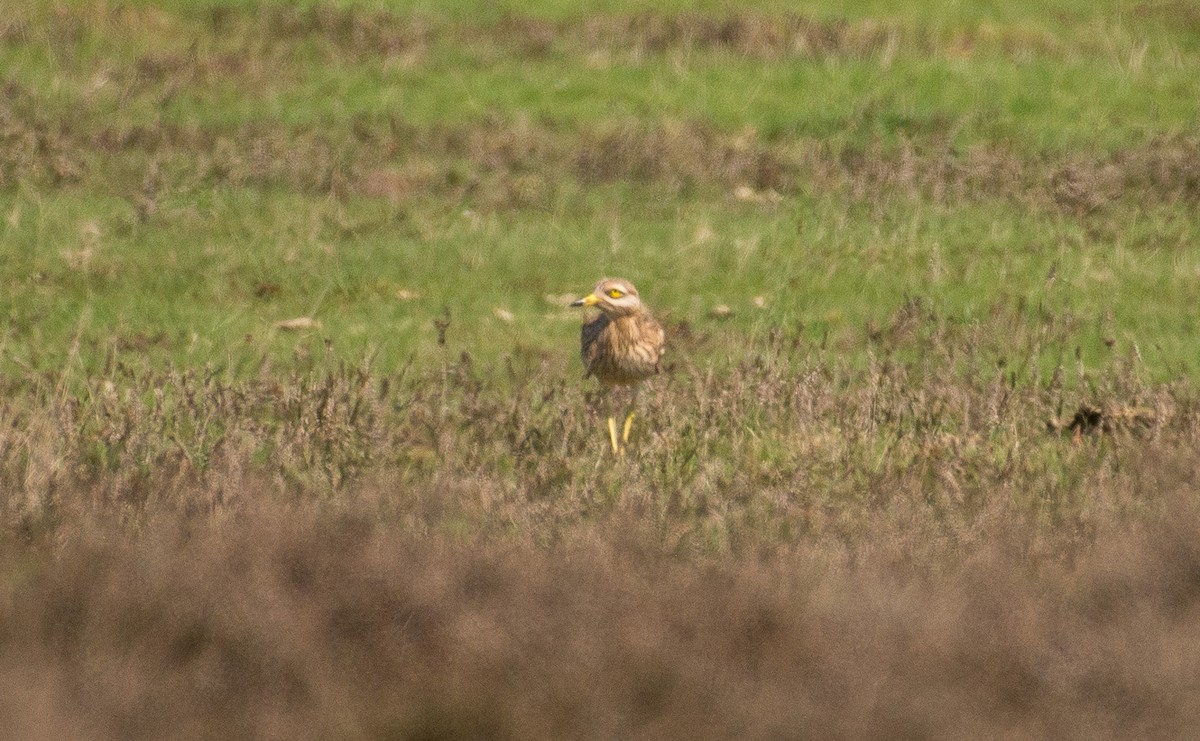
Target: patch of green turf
(207, 282)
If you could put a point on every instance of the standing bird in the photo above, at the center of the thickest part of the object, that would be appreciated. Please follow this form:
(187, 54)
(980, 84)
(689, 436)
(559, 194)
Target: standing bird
(621, 346)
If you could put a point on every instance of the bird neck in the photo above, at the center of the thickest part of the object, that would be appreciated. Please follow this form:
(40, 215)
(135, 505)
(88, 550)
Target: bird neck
(623, 313)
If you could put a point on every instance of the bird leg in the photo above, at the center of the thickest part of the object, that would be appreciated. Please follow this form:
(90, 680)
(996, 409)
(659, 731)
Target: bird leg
(629, 414)
(619, 441)
(612, 435)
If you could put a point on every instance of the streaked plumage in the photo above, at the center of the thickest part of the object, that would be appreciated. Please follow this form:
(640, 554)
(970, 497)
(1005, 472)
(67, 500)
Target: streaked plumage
(622, 351)
(623, 345)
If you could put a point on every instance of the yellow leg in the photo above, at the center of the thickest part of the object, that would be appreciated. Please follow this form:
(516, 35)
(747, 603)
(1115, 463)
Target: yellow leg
(628, 427)
(612, 435)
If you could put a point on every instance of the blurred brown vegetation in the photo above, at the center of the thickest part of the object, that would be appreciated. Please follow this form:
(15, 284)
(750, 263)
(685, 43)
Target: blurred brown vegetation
(298, 622)
(794, 547)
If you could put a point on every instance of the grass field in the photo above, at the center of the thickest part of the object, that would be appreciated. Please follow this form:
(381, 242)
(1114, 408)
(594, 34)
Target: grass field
(921, 462)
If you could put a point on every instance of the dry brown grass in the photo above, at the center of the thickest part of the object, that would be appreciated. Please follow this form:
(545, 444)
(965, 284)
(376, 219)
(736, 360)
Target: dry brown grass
(794, 547)
(787, 445)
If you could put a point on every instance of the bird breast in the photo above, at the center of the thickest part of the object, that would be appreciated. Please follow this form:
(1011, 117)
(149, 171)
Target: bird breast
(624, 350)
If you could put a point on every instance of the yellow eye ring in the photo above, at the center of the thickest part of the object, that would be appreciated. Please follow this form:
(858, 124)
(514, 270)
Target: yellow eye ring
(614, 293)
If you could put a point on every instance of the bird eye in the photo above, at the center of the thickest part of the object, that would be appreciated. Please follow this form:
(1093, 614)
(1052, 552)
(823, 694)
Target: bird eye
(615, 293)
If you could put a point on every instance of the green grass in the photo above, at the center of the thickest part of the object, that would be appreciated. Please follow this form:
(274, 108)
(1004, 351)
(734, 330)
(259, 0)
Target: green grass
(208, 274)
(1100, 81)
(212, 282)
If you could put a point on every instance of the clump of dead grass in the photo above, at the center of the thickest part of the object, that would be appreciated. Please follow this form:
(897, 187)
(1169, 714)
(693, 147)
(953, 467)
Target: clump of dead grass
(526, 164)
(751, 34)
(340, 33)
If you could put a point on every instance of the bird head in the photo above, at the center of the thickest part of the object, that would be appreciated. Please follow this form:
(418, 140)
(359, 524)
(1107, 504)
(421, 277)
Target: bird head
(614, 296)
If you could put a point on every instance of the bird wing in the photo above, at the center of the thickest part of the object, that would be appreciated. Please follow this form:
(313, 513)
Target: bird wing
(589, 333)
(658, 340)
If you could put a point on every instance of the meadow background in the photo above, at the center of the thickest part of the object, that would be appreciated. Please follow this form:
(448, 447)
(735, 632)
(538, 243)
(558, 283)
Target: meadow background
(921, 462)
